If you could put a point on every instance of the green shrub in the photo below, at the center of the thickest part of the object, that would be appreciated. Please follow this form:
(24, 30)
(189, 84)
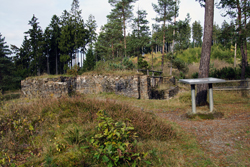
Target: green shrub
(115, 143)
(126, 64)
(217, 52)
(73, 71)
(195, 75)
(226, 73)
(142, 64)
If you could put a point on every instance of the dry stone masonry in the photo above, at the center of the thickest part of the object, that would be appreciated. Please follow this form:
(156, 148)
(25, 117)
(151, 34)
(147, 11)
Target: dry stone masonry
(137, 86)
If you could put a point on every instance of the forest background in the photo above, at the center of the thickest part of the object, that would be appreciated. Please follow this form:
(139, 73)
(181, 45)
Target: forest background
(70, 40)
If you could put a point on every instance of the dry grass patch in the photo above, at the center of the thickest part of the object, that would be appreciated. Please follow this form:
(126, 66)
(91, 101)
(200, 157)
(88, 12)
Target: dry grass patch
(39, 130)
(218, 64)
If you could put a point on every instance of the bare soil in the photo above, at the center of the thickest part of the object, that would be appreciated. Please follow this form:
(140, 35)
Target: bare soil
(222, 139)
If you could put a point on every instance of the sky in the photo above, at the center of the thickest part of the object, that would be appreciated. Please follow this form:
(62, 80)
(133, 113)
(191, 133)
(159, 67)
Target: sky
(15, 14)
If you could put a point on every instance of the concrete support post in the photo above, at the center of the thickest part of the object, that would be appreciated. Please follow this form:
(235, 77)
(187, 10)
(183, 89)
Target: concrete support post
(248, 85)
(193, 99)
(211, 99)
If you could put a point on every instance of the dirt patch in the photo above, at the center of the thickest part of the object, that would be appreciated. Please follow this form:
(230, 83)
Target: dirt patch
(221, 138)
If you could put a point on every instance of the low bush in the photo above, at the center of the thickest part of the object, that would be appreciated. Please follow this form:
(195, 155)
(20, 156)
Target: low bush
(115, 143)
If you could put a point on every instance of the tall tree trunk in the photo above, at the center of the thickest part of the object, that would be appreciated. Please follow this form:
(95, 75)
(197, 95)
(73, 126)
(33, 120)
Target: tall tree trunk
(171, 64)
(48, 71)
(245, 26)
(235, 54)
(56, 63)
(152, 57)
(124, 30)
(241, 43)
(201, 98)
(163, 43)
(113, 52)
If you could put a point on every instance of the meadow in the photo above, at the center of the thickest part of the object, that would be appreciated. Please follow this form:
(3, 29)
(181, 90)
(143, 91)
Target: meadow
(64, 131)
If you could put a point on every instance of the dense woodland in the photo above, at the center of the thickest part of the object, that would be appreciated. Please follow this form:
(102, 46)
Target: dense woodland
(69, 40)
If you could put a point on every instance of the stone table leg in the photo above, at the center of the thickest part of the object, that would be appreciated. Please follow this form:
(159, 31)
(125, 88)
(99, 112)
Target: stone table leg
(211, 99)
(193, 99)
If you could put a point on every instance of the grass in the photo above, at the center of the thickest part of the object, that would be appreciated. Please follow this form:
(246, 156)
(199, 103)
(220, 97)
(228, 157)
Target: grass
(49, 76)
(40, 132)
(113, 73)
(35, 133)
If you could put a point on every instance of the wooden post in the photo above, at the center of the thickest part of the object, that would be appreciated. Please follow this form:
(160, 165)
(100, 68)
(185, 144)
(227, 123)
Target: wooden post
(153, 79)
(248, 85)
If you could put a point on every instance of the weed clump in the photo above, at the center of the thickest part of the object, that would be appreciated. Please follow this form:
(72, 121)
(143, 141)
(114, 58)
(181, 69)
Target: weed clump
(115, 143)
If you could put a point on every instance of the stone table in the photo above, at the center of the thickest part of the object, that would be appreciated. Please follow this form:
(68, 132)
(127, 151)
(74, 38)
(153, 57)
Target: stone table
(208, 81)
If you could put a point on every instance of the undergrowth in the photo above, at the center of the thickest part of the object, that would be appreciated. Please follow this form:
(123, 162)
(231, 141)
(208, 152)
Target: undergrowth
(61, 132)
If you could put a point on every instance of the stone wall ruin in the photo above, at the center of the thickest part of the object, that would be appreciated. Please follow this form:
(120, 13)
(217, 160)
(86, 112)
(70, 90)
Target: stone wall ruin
(136, 86)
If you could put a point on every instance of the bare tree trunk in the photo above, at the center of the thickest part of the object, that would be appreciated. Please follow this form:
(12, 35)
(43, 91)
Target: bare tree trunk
(241, 43)
(152, 57)
(171, 64)
(235, 53)
(201, 98)
(56, 63)
(48, 71)
(124, 30)
(162, 58)
(245, 24)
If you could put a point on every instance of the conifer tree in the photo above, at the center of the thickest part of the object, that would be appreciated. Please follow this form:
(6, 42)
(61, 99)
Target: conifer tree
(124, 9)
(141, 31)
(166, 10)
(183, 34)
(36, 39)
(7, 70)
(55, 31)
(201, 98)
(239, 9)
(197, 33)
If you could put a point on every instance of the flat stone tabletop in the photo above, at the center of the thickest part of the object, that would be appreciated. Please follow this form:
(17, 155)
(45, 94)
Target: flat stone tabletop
(202, 81)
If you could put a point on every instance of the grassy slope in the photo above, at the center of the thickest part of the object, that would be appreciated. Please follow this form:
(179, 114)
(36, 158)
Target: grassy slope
(219, 58)
(32, 132)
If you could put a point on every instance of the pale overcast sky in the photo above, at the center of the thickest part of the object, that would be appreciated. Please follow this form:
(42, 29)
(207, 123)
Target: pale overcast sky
(15, 14)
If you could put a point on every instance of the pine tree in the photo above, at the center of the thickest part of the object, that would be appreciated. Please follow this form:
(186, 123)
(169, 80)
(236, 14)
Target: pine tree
(55, 31)
(166, 10)
(91, 26)
(227, 34)
(35, 38)
(201, 98)
(240, 11)
(90, 62)
(216, 33)
(183, 34)
(22, 59)
(124, 9)
(197, 33)
(67, 40)
(7, 70)
(141, 32)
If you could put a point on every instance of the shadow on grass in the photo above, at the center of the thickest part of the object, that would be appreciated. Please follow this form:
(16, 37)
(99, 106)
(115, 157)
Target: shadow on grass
(10, 97)
(205, 115)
